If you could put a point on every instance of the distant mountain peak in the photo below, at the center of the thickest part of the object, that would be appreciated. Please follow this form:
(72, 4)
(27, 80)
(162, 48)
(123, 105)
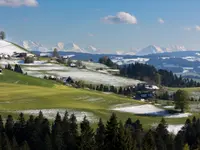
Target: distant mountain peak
(33, 46)
(92, 49)
(151, 49)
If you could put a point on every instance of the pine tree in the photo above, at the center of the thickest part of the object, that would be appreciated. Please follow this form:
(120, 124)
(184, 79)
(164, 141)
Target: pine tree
(179, 141)
(100, 135)
(66, 130)
(148, 141)
(73, 133)
(125, 138)
(57, 133)
(87, 136)
(47, 143)
(111, 139)
(1, 125)
(9, 127)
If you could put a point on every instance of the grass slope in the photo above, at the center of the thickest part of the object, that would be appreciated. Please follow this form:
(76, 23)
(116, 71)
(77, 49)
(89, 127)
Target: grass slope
(23, 97)
(17, 78)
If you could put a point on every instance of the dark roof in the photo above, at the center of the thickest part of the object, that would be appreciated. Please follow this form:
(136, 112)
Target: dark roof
(69, 80)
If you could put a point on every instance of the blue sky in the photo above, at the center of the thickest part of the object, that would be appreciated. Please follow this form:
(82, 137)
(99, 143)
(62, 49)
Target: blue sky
(100, 23)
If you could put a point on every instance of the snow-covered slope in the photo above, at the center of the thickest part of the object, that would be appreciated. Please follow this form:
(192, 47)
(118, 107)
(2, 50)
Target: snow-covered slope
(33, 46)
(91, 49)
(72, 47)
(9, 48)
(151, 49)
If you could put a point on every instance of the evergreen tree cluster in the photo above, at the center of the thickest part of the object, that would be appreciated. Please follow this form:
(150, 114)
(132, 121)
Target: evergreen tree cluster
(150, 74)
(66, 134)
(127, 91)
(17, 68)
(107, 61)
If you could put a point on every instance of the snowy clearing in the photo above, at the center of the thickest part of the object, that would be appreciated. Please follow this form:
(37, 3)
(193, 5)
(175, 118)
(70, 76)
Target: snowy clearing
(152, 110)
(51, 113)
(179, 115)
(172, 128)
(169, 107)
(96, 78)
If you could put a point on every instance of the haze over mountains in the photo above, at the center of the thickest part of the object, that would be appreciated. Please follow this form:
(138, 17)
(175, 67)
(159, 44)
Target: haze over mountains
(72, 47)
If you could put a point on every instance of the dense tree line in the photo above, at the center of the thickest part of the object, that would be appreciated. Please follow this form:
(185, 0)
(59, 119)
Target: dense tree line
(17, 68)
(67, 134)
(150, 74)
(107, 61)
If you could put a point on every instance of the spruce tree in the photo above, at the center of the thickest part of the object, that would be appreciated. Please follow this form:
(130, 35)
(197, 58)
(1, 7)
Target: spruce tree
(87, 141)
(57, 133)
(47, 143)
(9, 127)
(2, 129)
(179, 141)
(100, 135)
(66, 130)
(73, 133)
(149, 141)
(111, 138)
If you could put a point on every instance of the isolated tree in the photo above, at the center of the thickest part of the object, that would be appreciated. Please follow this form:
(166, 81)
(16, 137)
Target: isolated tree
(79, 63)
(29, 60)
(18, 69)
(181, 99)
(55, 53)
(69, 61)
(2, 35)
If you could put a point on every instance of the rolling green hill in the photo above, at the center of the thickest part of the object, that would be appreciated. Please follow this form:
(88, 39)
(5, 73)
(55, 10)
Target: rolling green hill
(12, 77)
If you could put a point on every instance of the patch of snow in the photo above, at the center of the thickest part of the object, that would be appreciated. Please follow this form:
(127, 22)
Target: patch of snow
(51, 113)
(96, 77)
(149, 109)
(142, 109)
(172, 128)
(121, 60)
(169, 107)
(9, 48)
(179, 115)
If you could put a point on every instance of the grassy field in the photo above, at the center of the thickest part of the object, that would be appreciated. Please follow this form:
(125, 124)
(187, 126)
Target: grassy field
(16, 78)
(20, 92)
(23, 97)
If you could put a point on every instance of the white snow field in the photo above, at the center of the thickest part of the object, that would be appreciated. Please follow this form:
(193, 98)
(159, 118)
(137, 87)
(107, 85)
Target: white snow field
(148, 109)
(96, 77)
(9, 48)
(51, 113)
(88, 76)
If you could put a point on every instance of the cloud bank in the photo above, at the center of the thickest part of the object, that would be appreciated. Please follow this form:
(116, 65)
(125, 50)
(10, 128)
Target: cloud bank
(18, 3)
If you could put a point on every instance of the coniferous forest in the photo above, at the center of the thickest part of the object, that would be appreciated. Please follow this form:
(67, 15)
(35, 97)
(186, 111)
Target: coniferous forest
(37, 133)
(150, 74)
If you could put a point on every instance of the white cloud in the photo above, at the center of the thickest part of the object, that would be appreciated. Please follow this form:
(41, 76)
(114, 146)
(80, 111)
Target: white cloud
(90, 34)
(161, 21)
(18, 3)
(121, 17)
(187, 28)
(197, 28)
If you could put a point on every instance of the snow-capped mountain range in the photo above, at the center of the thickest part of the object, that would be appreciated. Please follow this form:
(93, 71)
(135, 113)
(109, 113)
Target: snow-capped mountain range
(153, 49)
(72, 47)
